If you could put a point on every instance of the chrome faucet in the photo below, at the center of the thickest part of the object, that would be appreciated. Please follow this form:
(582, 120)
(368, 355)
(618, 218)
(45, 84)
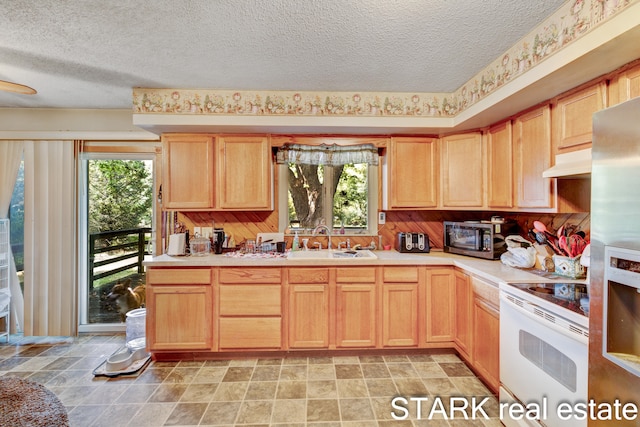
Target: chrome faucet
(315, 231)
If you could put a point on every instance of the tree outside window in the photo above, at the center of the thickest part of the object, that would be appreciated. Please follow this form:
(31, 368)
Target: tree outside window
(314, 189)
(329, 185)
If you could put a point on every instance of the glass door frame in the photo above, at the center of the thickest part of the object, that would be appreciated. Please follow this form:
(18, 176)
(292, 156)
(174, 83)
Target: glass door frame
(109, 153)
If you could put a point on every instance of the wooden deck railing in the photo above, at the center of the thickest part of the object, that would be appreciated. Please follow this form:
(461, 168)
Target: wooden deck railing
(133, 249)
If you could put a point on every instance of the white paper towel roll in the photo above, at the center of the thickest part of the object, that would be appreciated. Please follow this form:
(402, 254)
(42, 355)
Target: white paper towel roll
(177, 244)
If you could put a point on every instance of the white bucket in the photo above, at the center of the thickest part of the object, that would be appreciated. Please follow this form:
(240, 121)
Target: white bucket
(136, 328)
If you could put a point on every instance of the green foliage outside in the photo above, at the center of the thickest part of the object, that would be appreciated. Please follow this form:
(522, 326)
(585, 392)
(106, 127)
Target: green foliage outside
(16, 216)
(120, 195)
(350, 195)
(350, 199)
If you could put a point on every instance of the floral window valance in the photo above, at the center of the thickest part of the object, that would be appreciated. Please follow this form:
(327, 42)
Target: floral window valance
(331, 155)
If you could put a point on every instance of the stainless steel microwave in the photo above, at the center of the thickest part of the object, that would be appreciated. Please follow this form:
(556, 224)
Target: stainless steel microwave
(481, 239)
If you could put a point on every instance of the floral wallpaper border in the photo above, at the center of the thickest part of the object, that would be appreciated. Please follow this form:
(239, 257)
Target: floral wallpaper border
(572, 21)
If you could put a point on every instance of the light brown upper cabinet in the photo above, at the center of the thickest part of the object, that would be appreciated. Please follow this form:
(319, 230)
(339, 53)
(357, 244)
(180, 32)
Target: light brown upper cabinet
(244, 173)
(187, 165)
(532, 155)
(500, 166)
(625, 86)
(238, 167)
(572, 117)
(412, 175)
(462, 170)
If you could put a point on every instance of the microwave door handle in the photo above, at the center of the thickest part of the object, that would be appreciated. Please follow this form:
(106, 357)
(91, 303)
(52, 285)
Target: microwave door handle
(478, 239)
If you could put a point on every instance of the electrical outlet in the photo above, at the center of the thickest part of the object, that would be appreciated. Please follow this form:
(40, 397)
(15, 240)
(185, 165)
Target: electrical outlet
(382, 217)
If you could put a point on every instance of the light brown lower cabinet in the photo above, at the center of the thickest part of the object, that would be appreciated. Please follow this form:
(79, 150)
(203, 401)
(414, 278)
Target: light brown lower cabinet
(463, 313)
(440, 308)
(180, 302)
(356, 303)
(238, 333)
(356, 315)
(400, 305)
(486, 332)
(250, 308)
(309, 315)
(400, 314)
(309, 312)
(262, 308)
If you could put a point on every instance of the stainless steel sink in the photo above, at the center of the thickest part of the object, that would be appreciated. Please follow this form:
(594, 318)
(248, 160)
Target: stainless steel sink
(332, 255)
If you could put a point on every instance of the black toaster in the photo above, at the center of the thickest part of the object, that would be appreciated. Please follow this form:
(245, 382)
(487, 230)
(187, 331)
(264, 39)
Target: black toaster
(413, 242)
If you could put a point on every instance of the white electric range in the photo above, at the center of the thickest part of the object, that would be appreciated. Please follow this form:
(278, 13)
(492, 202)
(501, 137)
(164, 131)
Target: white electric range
(544, 337)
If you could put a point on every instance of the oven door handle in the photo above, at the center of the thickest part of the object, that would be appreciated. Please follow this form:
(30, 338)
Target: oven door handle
(573, 335)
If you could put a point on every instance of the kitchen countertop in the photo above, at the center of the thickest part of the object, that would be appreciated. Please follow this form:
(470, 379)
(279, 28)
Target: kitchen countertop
(494, 271)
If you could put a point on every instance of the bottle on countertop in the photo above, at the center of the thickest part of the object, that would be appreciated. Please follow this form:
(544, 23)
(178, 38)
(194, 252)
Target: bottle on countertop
(296, 242)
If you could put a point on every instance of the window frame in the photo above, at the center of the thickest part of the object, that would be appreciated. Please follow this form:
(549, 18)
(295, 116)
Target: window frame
(372, 196)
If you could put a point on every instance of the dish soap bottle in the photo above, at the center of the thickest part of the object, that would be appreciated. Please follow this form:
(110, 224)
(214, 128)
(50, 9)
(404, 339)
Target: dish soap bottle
(296, 242)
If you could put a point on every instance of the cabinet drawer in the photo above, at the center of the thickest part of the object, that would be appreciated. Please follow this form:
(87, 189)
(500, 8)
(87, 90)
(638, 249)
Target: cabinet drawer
(356, 275)
(250, 332)
(308, 275)
(250, 275)
(404, 274)
(178, 276)
(246, 300)
(486, 291)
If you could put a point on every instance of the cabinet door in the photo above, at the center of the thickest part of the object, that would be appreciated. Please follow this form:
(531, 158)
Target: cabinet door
(464, 312)
(629, 84)
(309, 316)
(440, 304)
(532, 154)
(573, 117)
(412, 177)
(500, 166)
(462, 174)
(180, 317)
(486, 342)
(187, 172)
(244, 173)
(356, 315)
(400, 314)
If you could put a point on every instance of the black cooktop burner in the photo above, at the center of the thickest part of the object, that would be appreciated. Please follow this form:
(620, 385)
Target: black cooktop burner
(565, 295)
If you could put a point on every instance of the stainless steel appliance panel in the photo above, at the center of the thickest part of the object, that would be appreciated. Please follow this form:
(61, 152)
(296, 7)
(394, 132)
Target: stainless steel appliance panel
(615, 177)
(615, 222)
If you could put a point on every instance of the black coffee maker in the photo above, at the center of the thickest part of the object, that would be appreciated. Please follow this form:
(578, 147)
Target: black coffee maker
(218, 240)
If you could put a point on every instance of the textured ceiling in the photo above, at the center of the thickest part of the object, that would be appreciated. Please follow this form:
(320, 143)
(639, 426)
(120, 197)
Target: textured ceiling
(90, 54)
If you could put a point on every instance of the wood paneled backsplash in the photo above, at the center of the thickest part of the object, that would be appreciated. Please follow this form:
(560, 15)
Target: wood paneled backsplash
(243, 225)
(430, 222)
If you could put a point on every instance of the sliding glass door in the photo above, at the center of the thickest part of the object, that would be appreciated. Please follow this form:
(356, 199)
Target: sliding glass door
(115, 218)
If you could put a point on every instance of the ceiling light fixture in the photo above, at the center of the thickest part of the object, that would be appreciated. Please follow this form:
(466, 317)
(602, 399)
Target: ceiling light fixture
(18, 88)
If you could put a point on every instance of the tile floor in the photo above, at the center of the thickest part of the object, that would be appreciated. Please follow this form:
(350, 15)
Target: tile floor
(293, 391)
